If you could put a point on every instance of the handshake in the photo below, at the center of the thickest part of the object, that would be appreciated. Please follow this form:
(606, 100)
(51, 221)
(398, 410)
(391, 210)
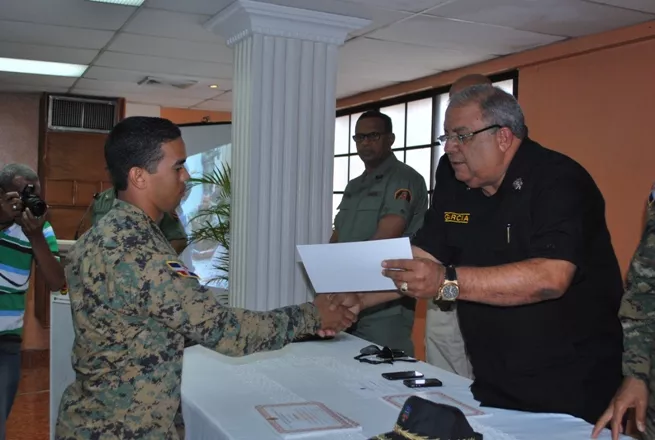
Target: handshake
(337, 311)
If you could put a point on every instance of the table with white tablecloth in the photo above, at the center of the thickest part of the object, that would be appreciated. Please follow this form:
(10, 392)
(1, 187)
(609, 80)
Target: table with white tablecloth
(219, 394)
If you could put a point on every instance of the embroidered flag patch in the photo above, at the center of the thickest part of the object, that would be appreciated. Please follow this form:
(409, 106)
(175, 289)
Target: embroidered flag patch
(181, 270)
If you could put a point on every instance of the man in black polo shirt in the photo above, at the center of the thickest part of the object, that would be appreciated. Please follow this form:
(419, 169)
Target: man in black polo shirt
(526, 253)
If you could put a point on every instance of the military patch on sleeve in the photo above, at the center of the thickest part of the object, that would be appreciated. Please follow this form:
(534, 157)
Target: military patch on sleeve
(403, 194)
(181, 270)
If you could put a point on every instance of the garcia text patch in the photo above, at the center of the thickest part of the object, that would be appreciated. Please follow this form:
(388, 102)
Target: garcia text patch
(456, 217)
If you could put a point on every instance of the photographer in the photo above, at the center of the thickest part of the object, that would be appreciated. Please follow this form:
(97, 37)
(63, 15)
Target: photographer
(24, 236)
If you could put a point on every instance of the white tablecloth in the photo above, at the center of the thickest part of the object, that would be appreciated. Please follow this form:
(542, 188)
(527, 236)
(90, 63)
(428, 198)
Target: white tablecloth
(219, 394)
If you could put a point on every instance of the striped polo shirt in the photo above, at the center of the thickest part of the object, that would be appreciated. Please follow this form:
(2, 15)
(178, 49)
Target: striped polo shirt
(15, 266)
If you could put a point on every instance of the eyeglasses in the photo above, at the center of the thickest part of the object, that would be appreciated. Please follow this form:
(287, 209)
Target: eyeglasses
(373, 354)
(361, 137)
(461, 138)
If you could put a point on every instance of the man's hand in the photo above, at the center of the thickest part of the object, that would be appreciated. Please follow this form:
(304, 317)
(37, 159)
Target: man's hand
(31, 226)
(351, 301)
(423, 276)
(333, 319)
(632, 394)
(11, 206)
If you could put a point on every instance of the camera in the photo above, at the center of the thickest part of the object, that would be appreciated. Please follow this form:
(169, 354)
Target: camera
(30, 200)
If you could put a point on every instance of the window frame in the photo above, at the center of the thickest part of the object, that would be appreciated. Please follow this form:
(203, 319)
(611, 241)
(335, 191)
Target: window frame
(434, 94)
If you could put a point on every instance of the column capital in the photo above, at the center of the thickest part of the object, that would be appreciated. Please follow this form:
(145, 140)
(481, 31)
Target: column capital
(246, 17)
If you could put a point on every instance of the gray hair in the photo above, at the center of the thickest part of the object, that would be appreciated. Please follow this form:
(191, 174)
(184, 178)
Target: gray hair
(497, 107)
(13, 170)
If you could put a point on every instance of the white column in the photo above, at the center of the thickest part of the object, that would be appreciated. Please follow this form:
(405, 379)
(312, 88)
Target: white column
(285, 71)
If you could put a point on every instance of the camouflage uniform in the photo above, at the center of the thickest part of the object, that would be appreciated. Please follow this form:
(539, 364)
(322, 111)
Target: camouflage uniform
(133, 307)
(170, 225)
(637, 315)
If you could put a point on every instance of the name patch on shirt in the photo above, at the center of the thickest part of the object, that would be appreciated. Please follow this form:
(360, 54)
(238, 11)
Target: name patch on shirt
(181, 270)
(456, 217)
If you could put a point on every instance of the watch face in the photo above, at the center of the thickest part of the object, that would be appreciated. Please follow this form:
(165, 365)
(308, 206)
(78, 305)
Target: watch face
(450, 292)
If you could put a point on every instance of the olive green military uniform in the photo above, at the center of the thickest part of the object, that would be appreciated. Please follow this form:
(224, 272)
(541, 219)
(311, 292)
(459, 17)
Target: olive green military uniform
(392, 188)
(133, 305)
(637, 315)
(170, 225)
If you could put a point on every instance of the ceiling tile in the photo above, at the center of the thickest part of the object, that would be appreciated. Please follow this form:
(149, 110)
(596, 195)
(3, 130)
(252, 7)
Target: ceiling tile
(138, 98)
(402, 5)
(348, 86)
(379, 17)
(130, 76)
(172, 24)
(569, 18)
(462, 36)
(384, 71)
(162, 66)
(171, 48)
(377, 51)
(77, 13)
(199, 91)
(190, 6)
(29, 33)
(47, 53)
(20, 88)
(36, 80)
(638, 5)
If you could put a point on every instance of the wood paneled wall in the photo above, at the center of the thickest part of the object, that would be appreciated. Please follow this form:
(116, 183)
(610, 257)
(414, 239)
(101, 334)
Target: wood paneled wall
(71, 169)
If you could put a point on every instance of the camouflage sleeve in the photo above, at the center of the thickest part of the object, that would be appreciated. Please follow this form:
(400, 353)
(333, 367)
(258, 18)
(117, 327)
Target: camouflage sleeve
(637, 312)
(404, 193)
(172, 228)
(172, 295)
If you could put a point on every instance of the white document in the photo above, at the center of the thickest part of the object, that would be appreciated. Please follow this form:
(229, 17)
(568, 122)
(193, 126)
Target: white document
(300, 419)
(352, 267)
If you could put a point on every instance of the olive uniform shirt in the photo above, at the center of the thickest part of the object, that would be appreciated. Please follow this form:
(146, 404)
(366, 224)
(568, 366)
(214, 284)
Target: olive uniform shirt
(393, 188)
(170, 225)
(133, 304)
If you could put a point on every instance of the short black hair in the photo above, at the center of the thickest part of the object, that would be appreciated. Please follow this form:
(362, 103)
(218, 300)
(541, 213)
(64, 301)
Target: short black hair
(136, 142)
(386, 120)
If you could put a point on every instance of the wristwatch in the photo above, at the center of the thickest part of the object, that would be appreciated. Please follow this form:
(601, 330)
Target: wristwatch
(449, 290)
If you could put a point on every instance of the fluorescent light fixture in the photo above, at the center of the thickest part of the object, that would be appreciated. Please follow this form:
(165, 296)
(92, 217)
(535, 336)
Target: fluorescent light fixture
(41, 67)
(213, 86)
(121, 2)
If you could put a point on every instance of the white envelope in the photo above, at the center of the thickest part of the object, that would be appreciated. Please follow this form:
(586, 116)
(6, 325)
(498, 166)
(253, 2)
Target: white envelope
(352, 267)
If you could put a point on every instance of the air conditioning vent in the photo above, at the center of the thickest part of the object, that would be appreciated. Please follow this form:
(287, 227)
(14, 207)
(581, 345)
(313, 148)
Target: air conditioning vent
(81, 114)
(168, 82)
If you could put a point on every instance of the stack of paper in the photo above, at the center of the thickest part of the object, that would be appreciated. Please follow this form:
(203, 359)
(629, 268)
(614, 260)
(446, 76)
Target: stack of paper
(352, 267)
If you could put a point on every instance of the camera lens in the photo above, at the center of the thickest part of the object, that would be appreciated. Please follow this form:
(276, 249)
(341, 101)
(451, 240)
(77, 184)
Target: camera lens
(36, 206)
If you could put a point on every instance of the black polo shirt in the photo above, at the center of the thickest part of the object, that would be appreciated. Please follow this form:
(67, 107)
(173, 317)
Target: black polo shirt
(561, 355)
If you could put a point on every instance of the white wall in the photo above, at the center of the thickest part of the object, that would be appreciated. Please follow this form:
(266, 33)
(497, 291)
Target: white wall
(133, 109)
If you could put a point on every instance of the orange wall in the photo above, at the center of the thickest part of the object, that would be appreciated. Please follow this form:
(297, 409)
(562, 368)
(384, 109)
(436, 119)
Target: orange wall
(19, 142)
(188, 116)
(592, 98)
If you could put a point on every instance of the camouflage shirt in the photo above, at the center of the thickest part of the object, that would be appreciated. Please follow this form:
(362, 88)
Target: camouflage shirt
(133, 304)
(637, 311)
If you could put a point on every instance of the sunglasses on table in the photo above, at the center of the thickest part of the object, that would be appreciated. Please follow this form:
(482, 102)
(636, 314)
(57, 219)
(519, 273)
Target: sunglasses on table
(373, 354)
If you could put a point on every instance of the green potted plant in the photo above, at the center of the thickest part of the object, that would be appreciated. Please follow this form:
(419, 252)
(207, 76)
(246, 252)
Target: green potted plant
(212, 222)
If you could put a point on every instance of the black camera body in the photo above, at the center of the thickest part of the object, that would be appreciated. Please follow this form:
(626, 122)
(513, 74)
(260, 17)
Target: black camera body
(36, 204)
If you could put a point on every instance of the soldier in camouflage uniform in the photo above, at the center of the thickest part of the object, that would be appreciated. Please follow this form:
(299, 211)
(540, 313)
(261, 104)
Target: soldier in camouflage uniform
(134, 303)
(637, 315)
(170, 224)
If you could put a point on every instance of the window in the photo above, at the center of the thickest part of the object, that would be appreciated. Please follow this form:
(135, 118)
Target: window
(417, 122)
